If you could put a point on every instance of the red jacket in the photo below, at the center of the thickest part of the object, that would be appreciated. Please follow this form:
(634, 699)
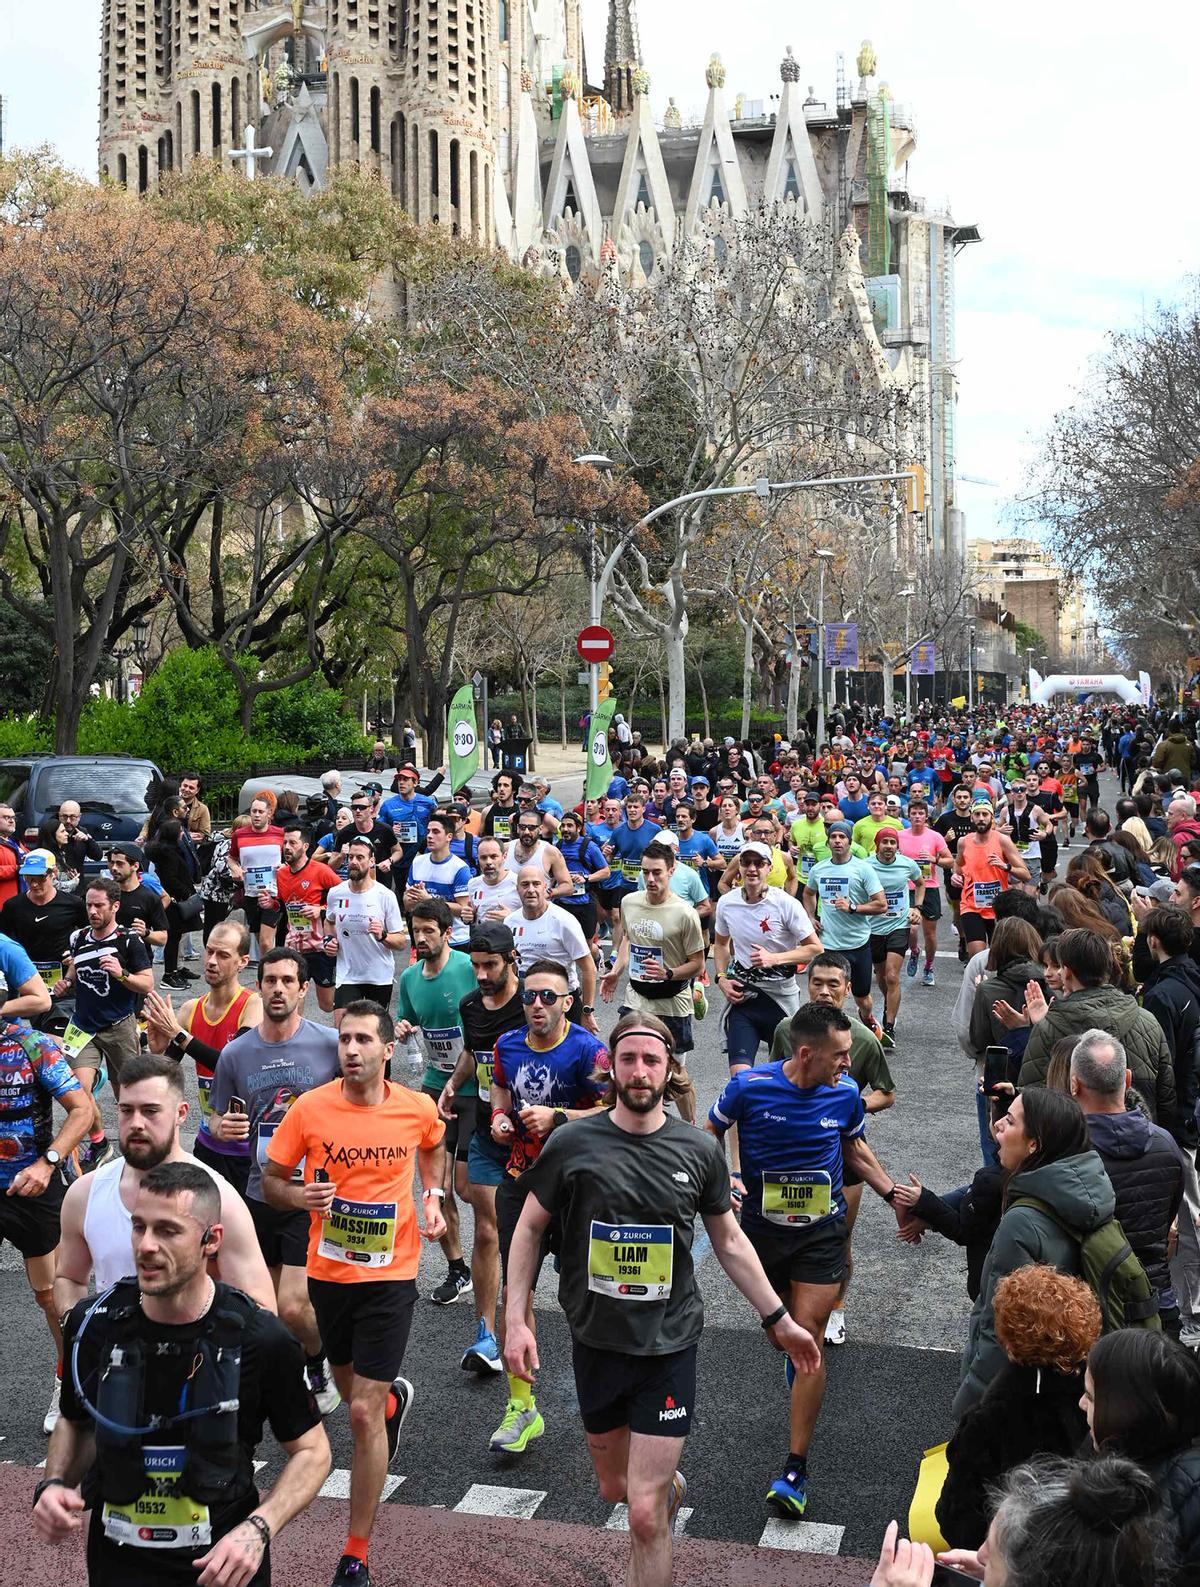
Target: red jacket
(1179, 836)
(11, 855)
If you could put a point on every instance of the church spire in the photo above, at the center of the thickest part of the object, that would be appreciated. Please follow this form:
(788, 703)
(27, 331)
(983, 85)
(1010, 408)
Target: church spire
(622, 56)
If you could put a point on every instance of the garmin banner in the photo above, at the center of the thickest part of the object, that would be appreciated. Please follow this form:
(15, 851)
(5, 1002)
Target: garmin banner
(841, 645)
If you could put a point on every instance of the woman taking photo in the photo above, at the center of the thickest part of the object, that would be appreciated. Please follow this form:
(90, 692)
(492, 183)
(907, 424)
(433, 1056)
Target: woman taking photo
(1044, 1154)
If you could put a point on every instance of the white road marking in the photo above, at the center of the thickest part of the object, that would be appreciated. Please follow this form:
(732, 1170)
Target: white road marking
(618, 1521)
(337, 1486)
(516, 1504)
(805, 1537)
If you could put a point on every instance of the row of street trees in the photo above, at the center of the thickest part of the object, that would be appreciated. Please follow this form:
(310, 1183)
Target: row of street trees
(321, 440)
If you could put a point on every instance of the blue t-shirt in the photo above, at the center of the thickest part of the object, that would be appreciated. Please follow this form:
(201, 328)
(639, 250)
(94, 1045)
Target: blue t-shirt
(448, 879)
(630, 846)
(33, 1070)
(15, 964)
(618, 788)
(458, 847)
(557, 1077)
(694, 851)
(853, 809)
(600, 832)
(551, 805)
(856, 882)
(409, 816)
(100, 999)
(793, 1137)
(583, 856)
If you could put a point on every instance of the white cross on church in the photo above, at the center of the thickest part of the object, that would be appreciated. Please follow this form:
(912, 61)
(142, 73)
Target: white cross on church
(251, 154)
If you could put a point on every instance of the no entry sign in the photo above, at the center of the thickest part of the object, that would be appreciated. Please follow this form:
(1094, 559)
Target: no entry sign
(595, 644)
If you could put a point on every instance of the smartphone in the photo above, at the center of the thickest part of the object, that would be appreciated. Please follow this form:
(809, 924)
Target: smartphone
(237, 1104)
(947, 1576)
(320, 1176)
(996, 1061)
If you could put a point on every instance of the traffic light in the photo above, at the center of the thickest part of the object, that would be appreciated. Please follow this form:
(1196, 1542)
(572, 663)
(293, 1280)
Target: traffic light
(604, 683)
(914, 488)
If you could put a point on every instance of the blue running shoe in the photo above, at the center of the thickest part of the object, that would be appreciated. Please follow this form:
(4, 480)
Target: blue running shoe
(483, 1357)
(788, 1495)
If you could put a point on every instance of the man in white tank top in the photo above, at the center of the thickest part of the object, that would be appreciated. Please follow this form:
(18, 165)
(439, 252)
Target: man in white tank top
(530, 848)
(96, 1212)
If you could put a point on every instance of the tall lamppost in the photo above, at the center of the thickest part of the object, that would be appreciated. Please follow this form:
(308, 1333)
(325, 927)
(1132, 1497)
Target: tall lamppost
(906, 596)
(971, 669)
(822, 558)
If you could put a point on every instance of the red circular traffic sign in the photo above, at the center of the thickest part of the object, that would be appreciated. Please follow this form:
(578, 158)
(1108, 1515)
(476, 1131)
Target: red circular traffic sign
(595, 644)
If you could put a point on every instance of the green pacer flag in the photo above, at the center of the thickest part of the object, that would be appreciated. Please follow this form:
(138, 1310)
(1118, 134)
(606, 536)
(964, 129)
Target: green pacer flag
(599, 767)
(463, 738)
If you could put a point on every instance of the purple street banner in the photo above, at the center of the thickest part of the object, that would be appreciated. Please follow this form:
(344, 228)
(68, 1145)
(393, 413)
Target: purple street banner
(841, 645)
(924, 659)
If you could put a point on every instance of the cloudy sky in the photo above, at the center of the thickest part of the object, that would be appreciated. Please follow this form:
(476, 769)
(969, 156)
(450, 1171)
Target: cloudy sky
(1059, 128)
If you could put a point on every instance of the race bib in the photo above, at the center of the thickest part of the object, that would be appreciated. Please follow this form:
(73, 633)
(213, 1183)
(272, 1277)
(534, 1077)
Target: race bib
(631, 1261)
(204, 1091)
(986, 894)
(74, 1039)
(406, 832)
(51, 974)
(444, 1046)
(806, 865)
(361, 1232)
(831, 887)
(640, 956)
(265, 1129)
(580, 885)
(502, 828)
(163, 1517)
(926, 870)
(631, 870)
(896, 900)
(298, 918)
(792, 1199)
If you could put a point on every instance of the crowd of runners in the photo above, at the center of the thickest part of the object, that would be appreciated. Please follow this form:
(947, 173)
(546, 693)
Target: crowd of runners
(410, 1008)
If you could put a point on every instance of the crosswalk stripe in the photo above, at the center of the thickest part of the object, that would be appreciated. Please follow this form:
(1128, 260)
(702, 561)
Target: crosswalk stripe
(618, 1521)
(337, 1485)
(515, 1504)
(805, 1537)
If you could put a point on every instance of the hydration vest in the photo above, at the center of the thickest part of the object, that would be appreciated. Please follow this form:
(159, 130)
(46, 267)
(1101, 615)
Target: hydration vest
(216, 1469)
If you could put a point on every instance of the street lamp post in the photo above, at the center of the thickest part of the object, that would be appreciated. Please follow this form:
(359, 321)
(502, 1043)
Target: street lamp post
(822, 558)
(971, 669)
(596, 460)
(906, 596)
(1029, 669)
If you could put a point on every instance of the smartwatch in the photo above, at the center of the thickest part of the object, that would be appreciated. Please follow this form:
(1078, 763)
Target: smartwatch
(52, 1157)
(560, 1117)
(890, 1195)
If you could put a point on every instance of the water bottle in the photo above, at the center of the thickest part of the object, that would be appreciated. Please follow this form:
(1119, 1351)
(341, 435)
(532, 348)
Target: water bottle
(414, 1054)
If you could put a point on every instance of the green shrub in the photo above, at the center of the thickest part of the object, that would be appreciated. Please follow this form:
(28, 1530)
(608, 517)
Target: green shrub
(24, 735)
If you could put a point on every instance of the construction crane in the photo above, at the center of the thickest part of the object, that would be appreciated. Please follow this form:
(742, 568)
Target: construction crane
(975, 479)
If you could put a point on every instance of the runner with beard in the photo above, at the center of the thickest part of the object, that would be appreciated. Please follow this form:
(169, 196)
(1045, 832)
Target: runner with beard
(987, 862)
(954, 823)
(493, 893)
(528, 847)
(201, 1030)
(626, 1184)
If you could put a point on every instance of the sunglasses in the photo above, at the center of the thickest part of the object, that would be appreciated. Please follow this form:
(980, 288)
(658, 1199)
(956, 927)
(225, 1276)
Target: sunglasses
(360, 808)
(543, 995)
(528, 831)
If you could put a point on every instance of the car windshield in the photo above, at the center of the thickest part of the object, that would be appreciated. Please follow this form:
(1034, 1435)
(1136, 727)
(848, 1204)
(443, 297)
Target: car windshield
(121, 787)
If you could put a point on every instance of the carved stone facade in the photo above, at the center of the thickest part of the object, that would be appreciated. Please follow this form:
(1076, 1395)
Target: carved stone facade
(481, 115)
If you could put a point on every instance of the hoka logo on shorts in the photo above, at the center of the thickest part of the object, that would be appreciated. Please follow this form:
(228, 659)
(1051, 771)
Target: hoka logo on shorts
(670, 1411)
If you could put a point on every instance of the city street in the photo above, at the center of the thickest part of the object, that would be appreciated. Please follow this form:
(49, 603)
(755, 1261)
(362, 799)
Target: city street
(890, 1386)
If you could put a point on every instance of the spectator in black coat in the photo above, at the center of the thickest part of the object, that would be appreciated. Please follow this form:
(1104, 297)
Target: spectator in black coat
(174, 871)
(1047, 1322)
(1171, 992)
(1142, 1400)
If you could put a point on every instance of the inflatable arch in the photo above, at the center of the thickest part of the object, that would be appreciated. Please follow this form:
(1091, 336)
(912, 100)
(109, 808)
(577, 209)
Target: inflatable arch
(1042, 690)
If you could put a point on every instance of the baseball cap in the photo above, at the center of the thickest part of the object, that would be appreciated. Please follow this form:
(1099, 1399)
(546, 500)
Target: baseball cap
(133, 853)
(760, 850)
(893, 800)
(38, 862)
(812, 796)
(701, 779)
(666, 835)
(1161, 891)
(491, 936)
(408, 770)
(843, 827)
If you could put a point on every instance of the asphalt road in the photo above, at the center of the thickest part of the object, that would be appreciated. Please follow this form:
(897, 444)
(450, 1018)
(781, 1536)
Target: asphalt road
(890, 1386)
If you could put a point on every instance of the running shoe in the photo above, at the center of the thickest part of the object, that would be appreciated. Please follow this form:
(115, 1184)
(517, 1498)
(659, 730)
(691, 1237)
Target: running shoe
(405, 1395)
(963, 956)
(927, 979)
(877, 1028)
(483, 1357)
(887, 1036)
(699, 1001)
(454, 1286)
(835, 1328)
(351, 1572)
(50, 1420)
(521, 1425)
(677, 1496)
(176, 979)
(324, 1390)
(94, 1154)
(913, 960)
(788, 1495)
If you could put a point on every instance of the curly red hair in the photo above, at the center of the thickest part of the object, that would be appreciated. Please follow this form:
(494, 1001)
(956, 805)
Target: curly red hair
(1045, 1318)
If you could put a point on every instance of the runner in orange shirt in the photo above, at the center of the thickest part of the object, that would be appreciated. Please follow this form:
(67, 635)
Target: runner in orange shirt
(301, 885)
(359, 1139)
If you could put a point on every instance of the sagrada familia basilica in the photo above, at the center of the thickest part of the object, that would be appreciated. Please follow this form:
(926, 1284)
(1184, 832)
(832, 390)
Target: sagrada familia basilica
(483, 116)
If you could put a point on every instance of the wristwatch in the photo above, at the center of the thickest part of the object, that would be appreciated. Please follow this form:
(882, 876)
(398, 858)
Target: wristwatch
(52, 1157)
(560, 1117)
(589, 1008)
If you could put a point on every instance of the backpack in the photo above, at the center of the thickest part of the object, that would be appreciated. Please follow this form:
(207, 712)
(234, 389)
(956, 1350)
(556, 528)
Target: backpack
(1111, 1271)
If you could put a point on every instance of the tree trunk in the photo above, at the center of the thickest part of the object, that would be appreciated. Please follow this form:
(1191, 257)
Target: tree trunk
(673, 642)
(562, 708)
(748, 669)
(533, 712)
(793, 691)
(524, 685)
(889, 686)
(662, 713)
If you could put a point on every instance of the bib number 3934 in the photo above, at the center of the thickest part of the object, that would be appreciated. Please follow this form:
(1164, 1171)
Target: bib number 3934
(361, 1232)
(631, 1261)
